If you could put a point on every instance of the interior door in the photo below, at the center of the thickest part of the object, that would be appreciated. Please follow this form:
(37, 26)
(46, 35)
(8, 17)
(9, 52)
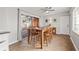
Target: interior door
(64, 25)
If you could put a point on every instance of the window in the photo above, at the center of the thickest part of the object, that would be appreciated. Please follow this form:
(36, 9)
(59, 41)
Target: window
(76, 20)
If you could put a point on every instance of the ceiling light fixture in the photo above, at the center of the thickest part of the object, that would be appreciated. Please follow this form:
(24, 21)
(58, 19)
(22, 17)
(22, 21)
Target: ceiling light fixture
(47, 12)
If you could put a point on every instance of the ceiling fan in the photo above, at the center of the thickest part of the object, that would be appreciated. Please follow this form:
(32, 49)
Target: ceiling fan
(47, 9)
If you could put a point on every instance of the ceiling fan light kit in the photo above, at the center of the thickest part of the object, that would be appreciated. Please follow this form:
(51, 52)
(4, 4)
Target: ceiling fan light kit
(46, 10)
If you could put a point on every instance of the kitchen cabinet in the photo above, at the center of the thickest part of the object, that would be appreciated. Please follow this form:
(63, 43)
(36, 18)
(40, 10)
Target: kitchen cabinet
(4, 36)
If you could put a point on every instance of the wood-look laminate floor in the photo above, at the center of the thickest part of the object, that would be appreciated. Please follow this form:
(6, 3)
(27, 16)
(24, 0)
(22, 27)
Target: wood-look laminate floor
(58, 43)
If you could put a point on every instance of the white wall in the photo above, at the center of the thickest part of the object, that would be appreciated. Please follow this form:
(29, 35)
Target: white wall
(42, 21)
(74, 36)
(8, 22)
(3, 19)
(11, 14)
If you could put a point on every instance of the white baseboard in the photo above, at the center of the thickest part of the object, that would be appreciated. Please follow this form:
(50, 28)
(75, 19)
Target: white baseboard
(74, 44)
(13, 42)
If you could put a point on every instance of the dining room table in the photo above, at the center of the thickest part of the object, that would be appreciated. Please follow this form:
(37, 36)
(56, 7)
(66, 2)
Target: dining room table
(41, 30)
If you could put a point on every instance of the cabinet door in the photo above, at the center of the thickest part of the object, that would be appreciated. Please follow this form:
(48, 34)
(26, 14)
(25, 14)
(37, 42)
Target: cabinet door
(35, 22)
(4, 46)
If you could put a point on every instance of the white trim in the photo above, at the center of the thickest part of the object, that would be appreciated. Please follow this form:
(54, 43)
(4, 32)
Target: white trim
(74, 44)
(76, 32)
(13, 42)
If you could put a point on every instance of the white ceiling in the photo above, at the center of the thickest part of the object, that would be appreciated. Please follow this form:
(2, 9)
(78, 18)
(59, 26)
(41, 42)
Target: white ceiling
(38, 11)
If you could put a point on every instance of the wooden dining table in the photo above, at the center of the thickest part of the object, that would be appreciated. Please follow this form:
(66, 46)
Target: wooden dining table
(42, 30)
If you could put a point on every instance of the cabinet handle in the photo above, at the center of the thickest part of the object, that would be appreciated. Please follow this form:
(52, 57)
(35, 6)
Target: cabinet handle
(2, 42)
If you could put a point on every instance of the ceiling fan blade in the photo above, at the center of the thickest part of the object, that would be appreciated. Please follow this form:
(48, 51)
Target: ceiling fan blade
(47, 9)
(51, 10)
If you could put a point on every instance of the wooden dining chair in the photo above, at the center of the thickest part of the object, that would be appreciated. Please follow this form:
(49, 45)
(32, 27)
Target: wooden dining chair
(35, 38)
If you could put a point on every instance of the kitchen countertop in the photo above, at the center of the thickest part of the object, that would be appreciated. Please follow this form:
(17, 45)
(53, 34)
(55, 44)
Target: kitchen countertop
(5, 32)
